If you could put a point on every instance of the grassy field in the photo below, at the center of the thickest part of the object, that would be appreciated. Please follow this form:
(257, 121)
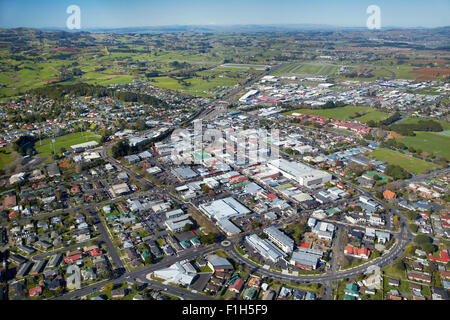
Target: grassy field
(197, 86)
(410, 164)
(344, 113)
(430, 142)
(45, 149)
(7, 156)
(313, 68)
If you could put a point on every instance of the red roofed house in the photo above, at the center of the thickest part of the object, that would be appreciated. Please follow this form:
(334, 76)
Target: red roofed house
(12, 214)
(271, 196)
(444, 258)
(303, 244)
(36, 291)
(388, 194)
(237, 286)
(73, 258)
(96, 252)
(445, 274)
(360, 253)
(9, 201)
(419, 277)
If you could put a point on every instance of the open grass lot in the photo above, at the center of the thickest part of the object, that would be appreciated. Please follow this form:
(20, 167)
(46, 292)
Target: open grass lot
(344, 113)
(45, 150)
(7, 157)
(430, 142)
(410, 164)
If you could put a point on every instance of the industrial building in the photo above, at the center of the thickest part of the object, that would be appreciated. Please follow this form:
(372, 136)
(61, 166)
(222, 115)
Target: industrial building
(248, 95)
(228, 227)
(224, 208)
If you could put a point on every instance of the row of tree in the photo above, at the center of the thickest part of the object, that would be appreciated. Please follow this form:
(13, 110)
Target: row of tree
(407, 129)
(385, 122)
(57, 92)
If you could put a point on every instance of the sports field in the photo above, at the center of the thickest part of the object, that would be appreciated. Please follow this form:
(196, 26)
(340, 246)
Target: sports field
(344, 113)
(45, 149)
(410, 164)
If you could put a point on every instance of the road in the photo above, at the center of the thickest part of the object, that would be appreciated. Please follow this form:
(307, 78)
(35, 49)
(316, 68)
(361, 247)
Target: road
(141, 274)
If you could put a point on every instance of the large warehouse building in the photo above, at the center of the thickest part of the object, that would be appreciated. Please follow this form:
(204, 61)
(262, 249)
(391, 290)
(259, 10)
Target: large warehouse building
(303, 174)
(224, 208)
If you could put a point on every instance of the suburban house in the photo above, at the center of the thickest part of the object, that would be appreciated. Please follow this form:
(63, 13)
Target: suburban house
(237, 286)
(360, 253)
(424, 277)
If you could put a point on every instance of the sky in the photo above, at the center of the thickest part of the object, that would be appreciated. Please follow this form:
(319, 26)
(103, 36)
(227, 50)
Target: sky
(141, 13)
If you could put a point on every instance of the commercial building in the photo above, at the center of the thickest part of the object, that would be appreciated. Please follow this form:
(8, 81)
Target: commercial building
(303, 174)
(119, 189)
(178, 223)
(177, 273)
(217, 263)
(184, 173)
(280, 239)
(265, 248)
(305, 258)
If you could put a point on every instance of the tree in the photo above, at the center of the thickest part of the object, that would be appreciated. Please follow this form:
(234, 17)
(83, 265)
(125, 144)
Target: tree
(410, 249)
(429, 248)
(148, 260)
(400, 265)
(108, 287)
(396, 172)
(395, 221)
(187, 227)
(120, 149)
(208, 238)
(422, 239)
(413, 228)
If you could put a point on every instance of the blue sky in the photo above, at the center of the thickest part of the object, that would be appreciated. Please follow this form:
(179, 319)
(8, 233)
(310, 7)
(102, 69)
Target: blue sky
(136, 13)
